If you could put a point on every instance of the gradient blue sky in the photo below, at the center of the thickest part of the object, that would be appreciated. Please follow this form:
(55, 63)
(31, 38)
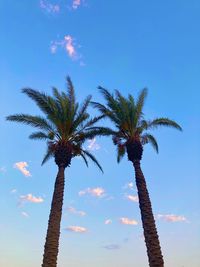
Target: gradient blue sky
(117, 44)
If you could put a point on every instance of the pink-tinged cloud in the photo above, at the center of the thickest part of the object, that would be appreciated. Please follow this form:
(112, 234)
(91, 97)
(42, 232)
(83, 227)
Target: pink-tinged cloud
(31, 198)
(76, 4)
(49, 7)
(93, 145)
(172, 218)
(76, 229)
(22, 167)
(128, 221)
(69, 45)
(132, 198)
(108, 221)
(96, 192)
(76, 212)
(24, 214)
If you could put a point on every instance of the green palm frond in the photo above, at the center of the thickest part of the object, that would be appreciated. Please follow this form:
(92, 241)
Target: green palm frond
(121, 150)
(92, 157)
(39, 136)
(84, 158)
(148, 138)
(140, 104)
(35, 121)
(164, 122)
(49, 154)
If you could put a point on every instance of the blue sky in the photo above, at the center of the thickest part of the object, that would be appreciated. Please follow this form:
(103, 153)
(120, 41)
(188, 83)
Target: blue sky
(125, 45)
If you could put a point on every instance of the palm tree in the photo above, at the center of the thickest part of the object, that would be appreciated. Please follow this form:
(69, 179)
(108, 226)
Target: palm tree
(132, 132)
(65, 127)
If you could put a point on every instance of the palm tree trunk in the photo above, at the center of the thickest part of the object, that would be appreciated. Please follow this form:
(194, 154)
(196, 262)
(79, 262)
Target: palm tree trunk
(53, 231)
(150, 233)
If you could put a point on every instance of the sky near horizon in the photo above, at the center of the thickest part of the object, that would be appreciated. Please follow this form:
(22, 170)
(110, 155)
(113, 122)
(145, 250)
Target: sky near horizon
(125, 45)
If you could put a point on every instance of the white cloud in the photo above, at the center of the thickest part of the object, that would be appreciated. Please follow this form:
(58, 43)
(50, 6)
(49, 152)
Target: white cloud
(3, 169)
(76, 4)
(112, 247)
(172, 218)
(128, 186)
(108, 221)
(132, 198)
(76, 229)
(21, 166)
(77, 212)
(25, 214)
(49, 7)
(96, 192)
(93, 145)
(31, 198)
(128, 221)
(13, 191)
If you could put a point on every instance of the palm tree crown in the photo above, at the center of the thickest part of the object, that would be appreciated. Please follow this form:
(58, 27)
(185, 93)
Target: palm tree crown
(132, 130)
(65, 127)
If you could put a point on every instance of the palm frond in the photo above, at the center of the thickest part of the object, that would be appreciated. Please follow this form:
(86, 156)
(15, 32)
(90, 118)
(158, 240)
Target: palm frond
(148, 138)
(47, 156)
(164, 122)
(140, 103)
(39, 136)
(92, 157)
(121, 150)
(35, 121)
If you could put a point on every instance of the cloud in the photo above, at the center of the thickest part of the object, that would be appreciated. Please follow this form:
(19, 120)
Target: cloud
(128, 221)
(31, 198)
(108, 221)
(77, 212)
(132, 198)
(172, 218)
(21, 166)
(48, 7)
(112, 247)
(3, 169)
(96, 192)
(23, 213)
(128, 186)
(93, 145)
(76, 229)
(76, 4)
(69, 45)
(13, 191)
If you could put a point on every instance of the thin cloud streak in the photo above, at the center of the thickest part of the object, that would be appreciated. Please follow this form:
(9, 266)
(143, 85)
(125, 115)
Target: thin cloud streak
(76, 212)
(76, 229)
(108, 221)
(48, 7)
(96, 192)
(24, 214)
(128, 221)
(112, 247)
(31, 198)
(172, 218)
(22, 167)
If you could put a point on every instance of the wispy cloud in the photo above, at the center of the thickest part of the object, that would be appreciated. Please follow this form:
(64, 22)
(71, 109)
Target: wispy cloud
(77, 212)
(132, 198)
(24, 214)
(3, 169)
(22, 167)
(112, 247)
(93, 145)
(96, 192)
(128, 221)
(31, 198)
(49, 7)
(76, 4)
(108, 221)
(13, 191)
(76, 229)
(172, 218)
(70, 46)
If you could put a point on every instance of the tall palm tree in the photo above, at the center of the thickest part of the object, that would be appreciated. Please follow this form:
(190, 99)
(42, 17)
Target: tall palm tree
(65, 127)
(131, 133)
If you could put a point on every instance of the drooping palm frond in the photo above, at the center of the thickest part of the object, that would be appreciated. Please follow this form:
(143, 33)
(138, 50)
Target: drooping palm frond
(164, 122)
(49, 154)
(149, 138)
(92, 157)
(121, 150)
(39, 136)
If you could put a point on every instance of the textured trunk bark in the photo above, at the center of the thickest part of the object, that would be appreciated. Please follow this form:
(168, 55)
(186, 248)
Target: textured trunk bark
(53, 231)
(150, 233)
